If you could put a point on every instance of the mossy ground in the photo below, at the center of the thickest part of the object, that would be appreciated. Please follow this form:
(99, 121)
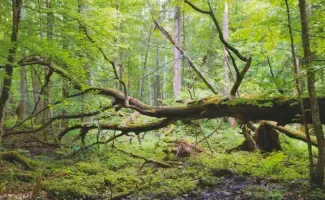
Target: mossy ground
(102, 172)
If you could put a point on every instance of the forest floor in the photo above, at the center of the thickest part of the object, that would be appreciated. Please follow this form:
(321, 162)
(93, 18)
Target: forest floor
(137, 171)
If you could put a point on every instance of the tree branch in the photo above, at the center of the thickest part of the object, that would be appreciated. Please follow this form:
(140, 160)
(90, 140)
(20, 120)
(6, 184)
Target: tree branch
(50, 121)
(117, 127)
(190, 62)
(240, 77)
(216, 23)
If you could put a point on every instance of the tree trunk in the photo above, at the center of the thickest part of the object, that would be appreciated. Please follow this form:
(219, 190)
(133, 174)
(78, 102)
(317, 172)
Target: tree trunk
(225, 31)
(23, 94)
(47, 90)
(158, 84)
(299, 89)
(141, 75)
(177, 54)
(144, 70)
(36, 94)
(318, 177)
(149, 89)
(16, 9)
(164, 79)
(65, 93)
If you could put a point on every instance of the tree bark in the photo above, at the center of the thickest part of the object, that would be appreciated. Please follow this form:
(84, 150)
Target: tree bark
(36, 94)
(318, 178)
(225, 31)
(23, 94)
(177, 53)
(16, 10)
(298, 84)
(158, 81)
(47, 89)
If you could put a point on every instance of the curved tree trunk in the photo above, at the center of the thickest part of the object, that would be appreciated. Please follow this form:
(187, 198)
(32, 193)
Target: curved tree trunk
(16, 9)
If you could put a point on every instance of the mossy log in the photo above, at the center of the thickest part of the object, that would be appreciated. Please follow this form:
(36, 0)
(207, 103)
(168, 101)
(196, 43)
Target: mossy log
(13, 156)
(292, 133)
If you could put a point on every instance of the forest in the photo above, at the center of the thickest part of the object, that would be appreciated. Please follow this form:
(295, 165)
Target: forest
(162, 99)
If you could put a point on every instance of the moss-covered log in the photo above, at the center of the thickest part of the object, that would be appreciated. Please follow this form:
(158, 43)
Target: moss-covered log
(283, 110)
(13, 156)
(292, 133)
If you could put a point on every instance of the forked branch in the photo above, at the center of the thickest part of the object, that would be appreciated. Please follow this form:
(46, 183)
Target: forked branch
(216, 23)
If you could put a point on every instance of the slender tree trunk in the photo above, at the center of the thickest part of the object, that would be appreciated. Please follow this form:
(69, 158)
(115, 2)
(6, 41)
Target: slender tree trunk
(36, 82)
(65, 93)
(225, 32)
(318, 178)
(36, 93)
(164, 92)
(298, 84)
(47, 90)
(149, 89)
(141, 80)
(121, 74)
(16, 9)
(158, 84)
(177, 54)
(144, 70)
(23, 94)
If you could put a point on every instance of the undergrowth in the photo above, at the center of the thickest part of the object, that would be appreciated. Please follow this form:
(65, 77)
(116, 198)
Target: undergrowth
(102, 172)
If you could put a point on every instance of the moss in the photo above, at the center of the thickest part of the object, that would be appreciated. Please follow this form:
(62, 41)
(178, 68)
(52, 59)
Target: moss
(261, 192)
(89, 168)
(207, 181)
(75, 187)
(25, 177)
(13, 156)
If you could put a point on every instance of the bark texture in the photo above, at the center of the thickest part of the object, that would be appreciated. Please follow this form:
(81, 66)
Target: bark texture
(318, 177)
(16, 10)
(177, 53)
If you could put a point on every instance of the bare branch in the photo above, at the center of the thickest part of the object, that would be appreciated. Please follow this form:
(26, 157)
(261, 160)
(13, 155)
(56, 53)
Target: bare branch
(117, 127)
(190, 62)
(216, 23)
(50, 121)
(240, 77)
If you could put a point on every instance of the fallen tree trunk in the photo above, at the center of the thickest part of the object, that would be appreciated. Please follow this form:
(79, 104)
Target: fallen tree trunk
(292, 133)
(283, 110)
